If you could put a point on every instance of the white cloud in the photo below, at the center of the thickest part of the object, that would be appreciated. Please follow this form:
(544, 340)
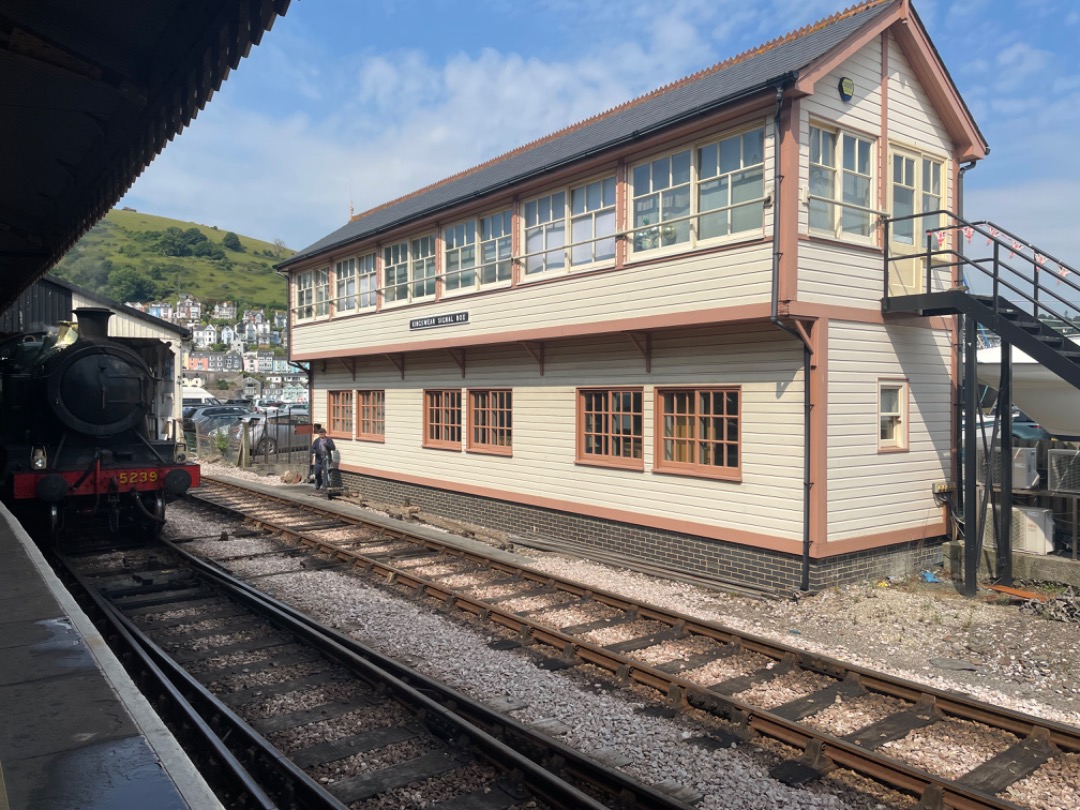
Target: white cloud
(383, 122)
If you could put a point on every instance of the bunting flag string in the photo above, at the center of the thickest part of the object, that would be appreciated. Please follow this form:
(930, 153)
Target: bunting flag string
(968, 233)
(994, 234)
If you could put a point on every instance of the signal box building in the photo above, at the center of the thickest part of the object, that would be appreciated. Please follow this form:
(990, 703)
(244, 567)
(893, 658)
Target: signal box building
(657, 335)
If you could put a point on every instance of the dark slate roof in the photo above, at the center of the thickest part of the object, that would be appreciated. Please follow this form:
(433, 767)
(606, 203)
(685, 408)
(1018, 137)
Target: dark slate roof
(708, 90)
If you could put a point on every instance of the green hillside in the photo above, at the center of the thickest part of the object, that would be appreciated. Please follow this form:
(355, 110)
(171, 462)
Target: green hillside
(131, 256)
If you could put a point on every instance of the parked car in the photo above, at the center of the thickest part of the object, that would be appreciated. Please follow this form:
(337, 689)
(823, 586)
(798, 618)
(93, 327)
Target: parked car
(277, 433)
(205, 418)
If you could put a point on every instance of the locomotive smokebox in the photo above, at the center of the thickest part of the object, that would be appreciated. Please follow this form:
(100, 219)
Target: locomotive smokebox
(93, 322)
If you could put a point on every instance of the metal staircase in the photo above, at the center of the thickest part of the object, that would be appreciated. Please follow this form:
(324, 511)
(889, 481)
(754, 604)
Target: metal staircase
(1011, 288)
(1025, 291)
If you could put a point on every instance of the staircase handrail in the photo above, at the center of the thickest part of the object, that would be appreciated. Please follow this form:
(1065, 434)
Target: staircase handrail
(999, 238)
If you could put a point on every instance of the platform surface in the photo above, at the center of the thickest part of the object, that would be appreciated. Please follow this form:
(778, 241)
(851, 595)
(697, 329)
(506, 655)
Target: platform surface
(75, 733)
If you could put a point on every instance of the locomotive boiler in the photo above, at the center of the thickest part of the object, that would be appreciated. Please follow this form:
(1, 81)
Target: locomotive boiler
(86, 430)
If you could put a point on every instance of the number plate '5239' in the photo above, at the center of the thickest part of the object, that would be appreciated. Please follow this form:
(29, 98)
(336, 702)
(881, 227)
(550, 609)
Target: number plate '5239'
(137, 477)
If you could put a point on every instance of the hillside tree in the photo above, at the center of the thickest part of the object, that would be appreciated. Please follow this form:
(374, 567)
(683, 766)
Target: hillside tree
(232, 242)
(128, 284)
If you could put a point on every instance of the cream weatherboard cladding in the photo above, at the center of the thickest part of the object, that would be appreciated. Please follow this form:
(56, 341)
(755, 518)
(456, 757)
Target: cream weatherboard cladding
(825, 267)
(871, 492)
(680, 284)
(766, 363)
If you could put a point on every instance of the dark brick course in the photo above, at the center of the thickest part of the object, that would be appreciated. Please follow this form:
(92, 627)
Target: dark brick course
(679, 553)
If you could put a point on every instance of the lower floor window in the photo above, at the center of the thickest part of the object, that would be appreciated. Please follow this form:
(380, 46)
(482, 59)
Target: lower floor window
(491, 421)
(698, 431)
(340, 413)
(610, 428)
(371, 410)
(442, 419)
(892, 414)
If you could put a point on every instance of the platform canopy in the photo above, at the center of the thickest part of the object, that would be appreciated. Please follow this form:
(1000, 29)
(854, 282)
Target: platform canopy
(90, 93)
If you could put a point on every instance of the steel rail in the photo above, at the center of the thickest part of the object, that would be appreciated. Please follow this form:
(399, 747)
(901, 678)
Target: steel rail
(824, 748)
(449, 705)
(222, 769)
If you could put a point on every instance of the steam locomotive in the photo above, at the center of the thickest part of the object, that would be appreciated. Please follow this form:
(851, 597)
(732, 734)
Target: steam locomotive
(86, 429)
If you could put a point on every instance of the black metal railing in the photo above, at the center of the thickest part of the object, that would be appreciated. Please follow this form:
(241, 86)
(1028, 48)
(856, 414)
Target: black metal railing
(1027, 278)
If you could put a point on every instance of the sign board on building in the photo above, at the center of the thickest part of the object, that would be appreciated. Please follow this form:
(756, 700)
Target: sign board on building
(453, 319)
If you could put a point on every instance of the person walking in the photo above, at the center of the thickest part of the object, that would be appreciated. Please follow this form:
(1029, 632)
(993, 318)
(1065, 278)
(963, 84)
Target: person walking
(321, 449)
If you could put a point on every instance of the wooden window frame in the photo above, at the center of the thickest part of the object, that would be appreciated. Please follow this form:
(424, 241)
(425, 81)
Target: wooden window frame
(336, 410)
(344, 277)
(920, 162)
(488, 412)
(304, 309)
(607, 459)
(371, 410)
(839, 170)
(452, 403)
(322, 292)
(903, 440)
(723, 472)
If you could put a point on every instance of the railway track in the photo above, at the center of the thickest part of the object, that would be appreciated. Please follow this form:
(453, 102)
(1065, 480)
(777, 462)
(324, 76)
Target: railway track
(759, 687)
(316, 720)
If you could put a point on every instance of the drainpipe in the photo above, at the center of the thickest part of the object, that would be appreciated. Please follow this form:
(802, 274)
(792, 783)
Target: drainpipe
(774, 317)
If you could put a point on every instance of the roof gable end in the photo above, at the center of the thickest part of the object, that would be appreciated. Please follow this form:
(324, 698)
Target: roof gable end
(927, 65)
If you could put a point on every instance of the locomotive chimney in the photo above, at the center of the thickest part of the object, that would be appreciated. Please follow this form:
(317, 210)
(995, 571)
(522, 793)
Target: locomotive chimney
(93, 322)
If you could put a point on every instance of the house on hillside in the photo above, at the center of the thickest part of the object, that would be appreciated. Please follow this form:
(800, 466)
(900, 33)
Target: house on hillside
(205, 336)
(658, 333)
(224, 311)
(228, 335)
(162, 310)
(188, 310)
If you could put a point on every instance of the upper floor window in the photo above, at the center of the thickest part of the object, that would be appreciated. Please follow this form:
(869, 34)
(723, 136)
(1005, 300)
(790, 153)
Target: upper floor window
(661, 200)
(545, 233)
(366, 281)
(322, 292)
(409, 270)
(305, 294)
(714, 190)
(340, 413)
(841, 183)
(610, 427)
(345, 281)
(495, 247)
(442, 419)
(731, 185)
(478, 252)
(459, 267)
(698, 431)
(592, 222)
(916, 189)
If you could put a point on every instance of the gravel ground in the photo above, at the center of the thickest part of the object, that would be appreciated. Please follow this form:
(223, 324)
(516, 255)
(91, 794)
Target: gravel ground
(985, 647)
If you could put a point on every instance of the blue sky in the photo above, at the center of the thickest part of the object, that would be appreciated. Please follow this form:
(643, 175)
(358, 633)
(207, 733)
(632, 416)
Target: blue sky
(359, 103)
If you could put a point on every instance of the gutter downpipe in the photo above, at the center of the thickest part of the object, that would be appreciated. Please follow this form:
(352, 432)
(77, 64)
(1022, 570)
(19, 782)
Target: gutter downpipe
(774, 318)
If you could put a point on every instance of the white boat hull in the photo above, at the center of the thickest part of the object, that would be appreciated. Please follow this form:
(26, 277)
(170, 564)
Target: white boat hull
(1037, 391)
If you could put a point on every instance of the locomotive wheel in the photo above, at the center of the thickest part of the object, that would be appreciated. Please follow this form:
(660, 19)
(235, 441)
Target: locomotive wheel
(155, 505)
